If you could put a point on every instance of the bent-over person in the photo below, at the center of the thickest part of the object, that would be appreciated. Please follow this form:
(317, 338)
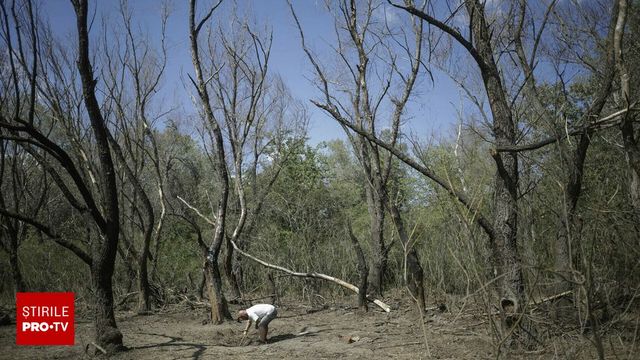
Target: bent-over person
(261, 314)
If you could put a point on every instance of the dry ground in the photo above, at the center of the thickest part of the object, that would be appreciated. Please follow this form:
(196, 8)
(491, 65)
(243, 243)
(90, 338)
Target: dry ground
(304, 333)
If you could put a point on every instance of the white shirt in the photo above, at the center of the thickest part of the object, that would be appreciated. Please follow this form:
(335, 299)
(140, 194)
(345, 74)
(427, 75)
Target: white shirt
(257, 312)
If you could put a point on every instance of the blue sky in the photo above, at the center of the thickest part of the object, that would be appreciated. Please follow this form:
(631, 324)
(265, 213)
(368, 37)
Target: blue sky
(433, 112)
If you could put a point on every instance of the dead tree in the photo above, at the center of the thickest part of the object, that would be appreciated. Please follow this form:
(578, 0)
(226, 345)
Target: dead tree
(363, 270)
(107, 333)
(240, 88)
(255, 112)
(361, 45)
(98, 195)
(505, 259)
(219, 308)
(134, 144)
(480, 45)
(573, 158)
(627, 99)
(24, 189)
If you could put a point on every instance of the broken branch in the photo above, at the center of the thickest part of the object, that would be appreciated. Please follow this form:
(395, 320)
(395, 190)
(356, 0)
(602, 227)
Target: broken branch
(314, 275)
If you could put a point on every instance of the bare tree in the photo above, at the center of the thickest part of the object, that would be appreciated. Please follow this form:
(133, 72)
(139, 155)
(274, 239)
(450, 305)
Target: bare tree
(134, 144)
(366, 50)
(573, 159)
(481, 43)
(24, 191)
(98, 196)
(219, 308)
(627, 100)
(255, 114)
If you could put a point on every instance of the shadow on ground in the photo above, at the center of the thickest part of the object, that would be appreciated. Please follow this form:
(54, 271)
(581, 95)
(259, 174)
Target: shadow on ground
(281, 337)
(173, 341)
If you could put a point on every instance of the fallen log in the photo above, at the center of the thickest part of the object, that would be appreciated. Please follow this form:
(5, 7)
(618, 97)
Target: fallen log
(314, 275)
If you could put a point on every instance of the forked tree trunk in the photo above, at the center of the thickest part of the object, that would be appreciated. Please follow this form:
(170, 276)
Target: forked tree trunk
(219, 309)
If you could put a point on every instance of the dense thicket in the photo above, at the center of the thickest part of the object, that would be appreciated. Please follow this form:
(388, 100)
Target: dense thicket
(109, 192)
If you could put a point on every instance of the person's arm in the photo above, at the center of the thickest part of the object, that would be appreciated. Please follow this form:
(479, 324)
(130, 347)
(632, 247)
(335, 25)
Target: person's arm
(246, 328)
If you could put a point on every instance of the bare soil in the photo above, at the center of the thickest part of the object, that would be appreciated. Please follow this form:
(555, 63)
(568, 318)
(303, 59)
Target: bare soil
(328, 332)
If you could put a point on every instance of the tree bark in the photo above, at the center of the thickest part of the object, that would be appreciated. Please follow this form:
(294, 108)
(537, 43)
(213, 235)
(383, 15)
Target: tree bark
(14, 262)
(414, 276)
(378, 261)
(104, 251)
(630, 142)
(231, 266)
(505, 224)
(219, 308)
(362, 271)
(144, 287)
(107, 334)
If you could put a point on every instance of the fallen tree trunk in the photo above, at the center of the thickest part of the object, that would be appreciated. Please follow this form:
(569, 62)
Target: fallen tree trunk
(314, 275)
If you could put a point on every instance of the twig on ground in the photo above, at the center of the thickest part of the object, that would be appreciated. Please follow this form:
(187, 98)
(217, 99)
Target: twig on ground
(86, 349)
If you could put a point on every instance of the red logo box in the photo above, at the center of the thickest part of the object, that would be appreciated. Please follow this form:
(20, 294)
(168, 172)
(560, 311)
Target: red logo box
(45, 318)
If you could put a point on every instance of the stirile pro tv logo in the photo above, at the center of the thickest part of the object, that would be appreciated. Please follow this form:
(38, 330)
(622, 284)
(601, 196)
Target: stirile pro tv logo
(45, 318)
